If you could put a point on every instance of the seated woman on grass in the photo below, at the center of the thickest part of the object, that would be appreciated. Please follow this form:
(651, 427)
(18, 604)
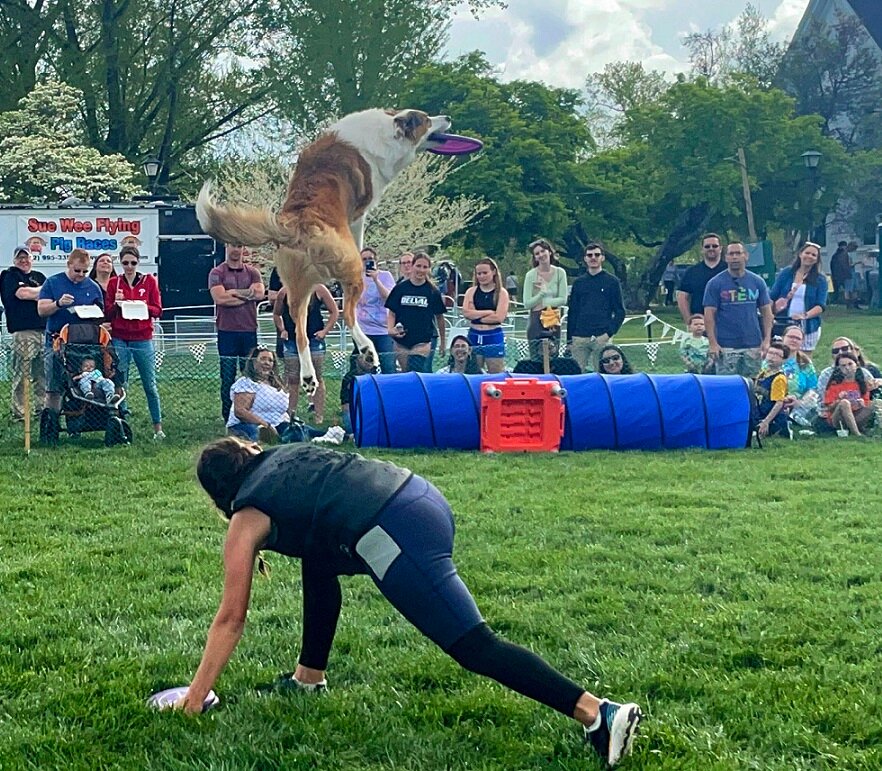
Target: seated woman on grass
(612, 361)
(342, 514)
(870, 371)
(847, 396)
(802, 379)
(260, 401)
(461, 358)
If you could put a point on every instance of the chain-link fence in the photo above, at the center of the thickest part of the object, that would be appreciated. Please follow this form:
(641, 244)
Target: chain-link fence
(187, 371)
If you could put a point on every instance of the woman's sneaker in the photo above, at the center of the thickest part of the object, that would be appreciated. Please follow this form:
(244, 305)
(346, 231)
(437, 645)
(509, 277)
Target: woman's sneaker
(613, 732)
(286, 683)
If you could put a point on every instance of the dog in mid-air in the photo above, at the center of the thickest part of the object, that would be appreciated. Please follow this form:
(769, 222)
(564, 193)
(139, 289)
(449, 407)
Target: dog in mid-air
(319, 230)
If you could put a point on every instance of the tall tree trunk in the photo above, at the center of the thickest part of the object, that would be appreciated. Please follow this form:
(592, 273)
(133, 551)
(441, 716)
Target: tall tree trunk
(684, 233)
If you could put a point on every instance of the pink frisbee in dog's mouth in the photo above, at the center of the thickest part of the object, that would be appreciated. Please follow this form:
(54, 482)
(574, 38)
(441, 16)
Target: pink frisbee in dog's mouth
(453, 144)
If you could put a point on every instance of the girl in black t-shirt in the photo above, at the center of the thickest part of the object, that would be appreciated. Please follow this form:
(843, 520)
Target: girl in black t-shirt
(415, 307)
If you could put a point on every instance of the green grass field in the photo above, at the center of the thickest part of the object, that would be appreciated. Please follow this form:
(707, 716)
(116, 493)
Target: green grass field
(735, 595)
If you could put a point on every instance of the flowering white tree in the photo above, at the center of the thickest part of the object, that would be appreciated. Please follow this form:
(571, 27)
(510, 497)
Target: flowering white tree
(42, 148)
(410, 212)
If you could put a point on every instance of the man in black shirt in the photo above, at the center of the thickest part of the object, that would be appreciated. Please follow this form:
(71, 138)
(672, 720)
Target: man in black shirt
(690, 297)
(19, 288)
(595, 309)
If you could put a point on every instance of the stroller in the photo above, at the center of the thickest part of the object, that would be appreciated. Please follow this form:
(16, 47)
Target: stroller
(74, 344)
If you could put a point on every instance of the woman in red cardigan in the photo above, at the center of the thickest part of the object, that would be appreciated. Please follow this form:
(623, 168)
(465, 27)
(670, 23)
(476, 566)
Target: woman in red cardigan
(133, 338)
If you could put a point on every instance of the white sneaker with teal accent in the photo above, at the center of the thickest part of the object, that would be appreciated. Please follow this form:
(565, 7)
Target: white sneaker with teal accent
(613, 732)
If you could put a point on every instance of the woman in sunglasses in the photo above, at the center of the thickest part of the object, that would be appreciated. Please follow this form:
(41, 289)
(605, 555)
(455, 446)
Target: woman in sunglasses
(612, 361)
(133, 333)
(871, 372)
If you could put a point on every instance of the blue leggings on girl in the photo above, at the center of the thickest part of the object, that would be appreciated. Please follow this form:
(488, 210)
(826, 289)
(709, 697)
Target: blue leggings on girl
(409, 556)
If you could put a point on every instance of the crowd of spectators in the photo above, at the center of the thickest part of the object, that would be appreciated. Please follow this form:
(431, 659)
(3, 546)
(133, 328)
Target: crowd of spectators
(737, 325)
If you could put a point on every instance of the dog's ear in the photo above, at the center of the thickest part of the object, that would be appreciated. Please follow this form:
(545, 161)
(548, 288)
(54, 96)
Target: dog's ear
(406, 123)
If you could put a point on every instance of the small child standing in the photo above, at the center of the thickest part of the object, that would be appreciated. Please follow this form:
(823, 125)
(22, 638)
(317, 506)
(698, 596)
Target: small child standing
(694, 349)
(771, 391)
(90, 379)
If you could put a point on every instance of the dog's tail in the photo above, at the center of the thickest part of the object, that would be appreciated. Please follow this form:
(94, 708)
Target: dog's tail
(238, 224)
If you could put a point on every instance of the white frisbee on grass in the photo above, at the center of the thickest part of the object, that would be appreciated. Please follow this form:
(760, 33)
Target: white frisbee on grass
(166, 699)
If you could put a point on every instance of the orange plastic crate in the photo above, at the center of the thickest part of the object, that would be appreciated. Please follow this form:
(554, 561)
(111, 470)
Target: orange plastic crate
(522, 415)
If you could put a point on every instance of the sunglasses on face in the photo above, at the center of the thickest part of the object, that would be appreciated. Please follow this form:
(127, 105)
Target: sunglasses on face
(610, 359)
(128, 262)
(844, 349)
(711, 246)
(80, 271)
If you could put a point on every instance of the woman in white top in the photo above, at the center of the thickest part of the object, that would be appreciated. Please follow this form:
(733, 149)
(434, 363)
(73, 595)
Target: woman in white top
(545, 286)
(259, 399)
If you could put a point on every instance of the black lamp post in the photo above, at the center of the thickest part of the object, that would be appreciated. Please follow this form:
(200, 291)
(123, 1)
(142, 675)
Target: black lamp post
(151, 171)
(811, 159)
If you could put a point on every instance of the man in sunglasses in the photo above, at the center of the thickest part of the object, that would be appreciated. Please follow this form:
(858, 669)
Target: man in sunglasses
(734, 303)
(59, 296)
(690, 297)
(596, 311)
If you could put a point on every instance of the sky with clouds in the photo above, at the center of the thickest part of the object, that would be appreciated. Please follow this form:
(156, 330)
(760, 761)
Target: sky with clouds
(559, 42)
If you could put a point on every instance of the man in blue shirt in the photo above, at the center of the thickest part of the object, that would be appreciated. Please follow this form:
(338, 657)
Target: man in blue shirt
(734, 302)
(59, 295)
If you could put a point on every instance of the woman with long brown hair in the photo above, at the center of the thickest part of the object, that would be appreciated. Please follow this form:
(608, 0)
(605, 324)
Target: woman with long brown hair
(485, 305)
(545, 291)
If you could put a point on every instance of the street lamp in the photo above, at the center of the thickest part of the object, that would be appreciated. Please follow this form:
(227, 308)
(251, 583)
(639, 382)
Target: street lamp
(811, 159)
(151, 171)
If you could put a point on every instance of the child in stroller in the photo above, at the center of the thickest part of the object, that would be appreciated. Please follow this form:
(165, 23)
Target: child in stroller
(91, 382)
(84, 353)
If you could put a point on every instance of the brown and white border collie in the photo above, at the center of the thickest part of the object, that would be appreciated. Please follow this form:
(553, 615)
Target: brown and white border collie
(319, 230)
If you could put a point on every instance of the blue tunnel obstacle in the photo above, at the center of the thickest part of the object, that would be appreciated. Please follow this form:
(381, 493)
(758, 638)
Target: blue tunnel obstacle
(603, 412)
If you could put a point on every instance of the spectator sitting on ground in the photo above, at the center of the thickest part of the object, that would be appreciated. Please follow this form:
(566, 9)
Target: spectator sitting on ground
(358, 365)
(694, 350)
(260, 403)
(871, 372)
(847, 396)
(770, 387)
(802, 379)
(461, 359)
(612, 361)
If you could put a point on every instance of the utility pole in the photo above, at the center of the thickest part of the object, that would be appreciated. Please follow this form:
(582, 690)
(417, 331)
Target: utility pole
(748, 201)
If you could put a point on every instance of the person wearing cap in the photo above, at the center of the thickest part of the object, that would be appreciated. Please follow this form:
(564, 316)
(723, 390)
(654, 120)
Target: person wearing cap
(19, 289)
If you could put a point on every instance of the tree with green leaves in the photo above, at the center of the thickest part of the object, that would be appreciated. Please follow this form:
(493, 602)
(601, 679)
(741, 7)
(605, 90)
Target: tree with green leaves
(833, 71)
(534, 139)
(677, 173)
(163, 77)
(43, 146)
(333, 57)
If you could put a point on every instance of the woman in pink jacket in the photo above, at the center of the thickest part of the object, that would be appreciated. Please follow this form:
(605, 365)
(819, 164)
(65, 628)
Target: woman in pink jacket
(133, 338)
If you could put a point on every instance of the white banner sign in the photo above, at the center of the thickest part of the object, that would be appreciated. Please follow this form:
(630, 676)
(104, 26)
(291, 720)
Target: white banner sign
(52, 234)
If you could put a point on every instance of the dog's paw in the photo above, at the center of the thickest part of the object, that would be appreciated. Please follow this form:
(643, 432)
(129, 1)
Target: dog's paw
(370, 355)
(309, 385)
